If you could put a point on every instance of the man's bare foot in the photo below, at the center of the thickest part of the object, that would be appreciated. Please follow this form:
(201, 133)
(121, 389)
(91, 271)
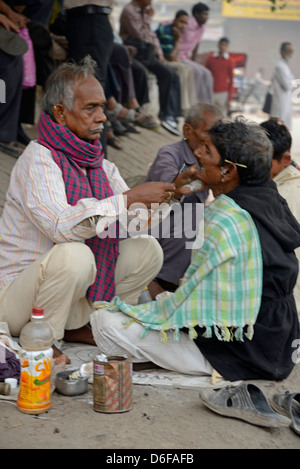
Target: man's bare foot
(154, 289)
(59, 357)
(83, 334)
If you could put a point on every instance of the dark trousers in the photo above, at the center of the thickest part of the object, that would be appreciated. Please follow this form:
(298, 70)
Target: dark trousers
(131, 76)
(140, 82)
(169, 89)
(11, 72)
(90, 34)
(45, 65)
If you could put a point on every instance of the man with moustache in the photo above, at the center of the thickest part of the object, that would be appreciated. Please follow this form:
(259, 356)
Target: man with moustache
(59, 231)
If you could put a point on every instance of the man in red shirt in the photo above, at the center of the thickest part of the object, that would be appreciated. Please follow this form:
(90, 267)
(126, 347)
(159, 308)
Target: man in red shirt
(221, 67)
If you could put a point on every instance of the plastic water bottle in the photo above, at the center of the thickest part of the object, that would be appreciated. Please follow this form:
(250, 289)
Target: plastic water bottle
(36, 340)
(145, 296)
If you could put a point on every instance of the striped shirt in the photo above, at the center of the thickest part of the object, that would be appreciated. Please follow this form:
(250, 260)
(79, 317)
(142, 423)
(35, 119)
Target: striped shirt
(166, 38)
(37, 215)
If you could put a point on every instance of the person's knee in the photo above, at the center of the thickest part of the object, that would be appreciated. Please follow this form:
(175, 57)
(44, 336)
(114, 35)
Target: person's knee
(152, 252)
(75, 260)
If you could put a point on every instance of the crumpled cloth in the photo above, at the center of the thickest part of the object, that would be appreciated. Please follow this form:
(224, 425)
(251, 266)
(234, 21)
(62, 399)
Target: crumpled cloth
(10, 366)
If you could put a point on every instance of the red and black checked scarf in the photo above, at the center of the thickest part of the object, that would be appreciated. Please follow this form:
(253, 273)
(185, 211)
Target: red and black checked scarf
(71, 154)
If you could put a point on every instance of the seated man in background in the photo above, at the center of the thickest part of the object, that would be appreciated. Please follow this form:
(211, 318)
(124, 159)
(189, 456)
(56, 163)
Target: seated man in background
(286, 174)
(173, 162)
(11, 74)
(189, 43)
(136, 30)
(169, 36)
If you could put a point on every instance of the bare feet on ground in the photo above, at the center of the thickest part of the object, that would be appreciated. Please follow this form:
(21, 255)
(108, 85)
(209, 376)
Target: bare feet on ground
(154, 289)
(83, 335)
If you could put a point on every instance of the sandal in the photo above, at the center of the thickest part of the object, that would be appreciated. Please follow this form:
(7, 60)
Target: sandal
(288, 404)
(119, 128)
(14, 149)
(112, 140)
(130, 128)
(136, 116)
(113, 114)
(146, 121)
(246, 402)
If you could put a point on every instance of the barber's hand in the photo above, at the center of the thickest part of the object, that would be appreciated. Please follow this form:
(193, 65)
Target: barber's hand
(184, 178)
(150, 193)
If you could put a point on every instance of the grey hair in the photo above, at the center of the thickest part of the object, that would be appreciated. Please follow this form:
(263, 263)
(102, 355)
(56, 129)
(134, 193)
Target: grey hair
(246, 144)
(59, 88)
(195, 114)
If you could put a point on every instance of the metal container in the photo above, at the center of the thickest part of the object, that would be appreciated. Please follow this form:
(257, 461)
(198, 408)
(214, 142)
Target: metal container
(5, 389)
(112, 389)
(70, 387)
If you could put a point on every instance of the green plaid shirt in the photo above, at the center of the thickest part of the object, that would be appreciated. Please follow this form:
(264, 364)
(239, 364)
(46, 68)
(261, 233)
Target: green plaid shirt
(221, 289)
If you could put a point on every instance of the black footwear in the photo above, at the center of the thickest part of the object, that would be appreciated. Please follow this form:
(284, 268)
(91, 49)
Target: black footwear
(12, 149)
(130, 128)
(22, 136)
(119, 128)
(114, 142)
(12, 43)
(147, 123)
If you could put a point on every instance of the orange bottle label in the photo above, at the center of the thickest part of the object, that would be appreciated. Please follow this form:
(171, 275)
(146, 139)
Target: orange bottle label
(35, 381)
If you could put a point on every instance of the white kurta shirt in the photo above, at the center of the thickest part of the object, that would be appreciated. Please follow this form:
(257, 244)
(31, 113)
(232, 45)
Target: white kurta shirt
(282, 92)
(288, 185)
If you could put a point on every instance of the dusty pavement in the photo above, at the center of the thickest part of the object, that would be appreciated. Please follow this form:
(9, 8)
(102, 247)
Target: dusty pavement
(161, 418)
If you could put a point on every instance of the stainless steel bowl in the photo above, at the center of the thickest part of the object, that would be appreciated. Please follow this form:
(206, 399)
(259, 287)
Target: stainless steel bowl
(70, 387)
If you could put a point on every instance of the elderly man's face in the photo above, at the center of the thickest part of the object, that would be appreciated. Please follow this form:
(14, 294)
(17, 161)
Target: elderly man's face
(87, 116)
(195, 137)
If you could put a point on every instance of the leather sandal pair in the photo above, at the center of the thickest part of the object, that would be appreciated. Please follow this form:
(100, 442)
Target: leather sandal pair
(246, 402)
(113, 114)
(134, 116)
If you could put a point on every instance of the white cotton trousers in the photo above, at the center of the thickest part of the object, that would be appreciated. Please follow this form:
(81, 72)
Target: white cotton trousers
(114, 337)
(221, 99)
(187, 84)
(58, 280)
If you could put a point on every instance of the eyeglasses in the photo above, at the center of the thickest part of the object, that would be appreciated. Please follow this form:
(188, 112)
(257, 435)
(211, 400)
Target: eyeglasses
(236, 164)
